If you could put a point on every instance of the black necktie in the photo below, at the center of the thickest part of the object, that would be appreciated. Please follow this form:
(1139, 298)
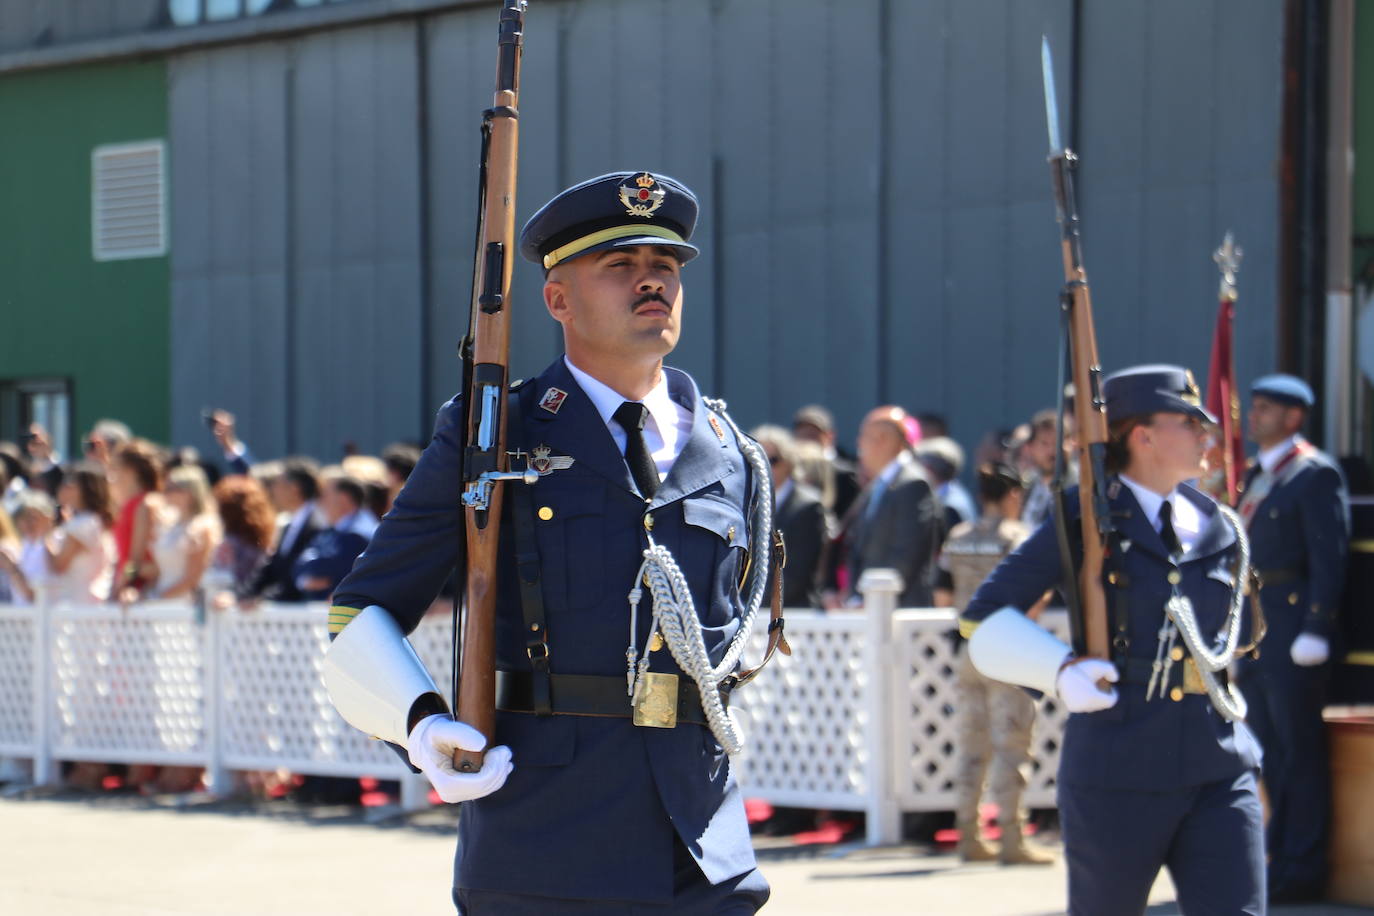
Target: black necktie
(1166, 529)
(630, 416)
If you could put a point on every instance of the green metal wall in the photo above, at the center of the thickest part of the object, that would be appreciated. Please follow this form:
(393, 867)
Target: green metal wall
(103, 325)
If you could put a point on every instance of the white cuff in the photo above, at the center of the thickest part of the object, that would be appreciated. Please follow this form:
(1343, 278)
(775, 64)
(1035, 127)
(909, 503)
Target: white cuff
(1008, 646)
(374, 676)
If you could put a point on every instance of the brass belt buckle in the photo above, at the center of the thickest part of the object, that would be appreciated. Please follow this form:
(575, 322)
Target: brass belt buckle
(1192, 678)
(655, 702)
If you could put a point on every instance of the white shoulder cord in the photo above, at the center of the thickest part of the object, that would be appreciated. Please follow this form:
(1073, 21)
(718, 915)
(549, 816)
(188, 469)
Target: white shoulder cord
(1228, 701)
(675, 614)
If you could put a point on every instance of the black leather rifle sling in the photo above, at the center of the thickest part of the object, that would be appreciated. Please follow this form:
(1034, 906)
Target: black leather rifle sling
(527, 567)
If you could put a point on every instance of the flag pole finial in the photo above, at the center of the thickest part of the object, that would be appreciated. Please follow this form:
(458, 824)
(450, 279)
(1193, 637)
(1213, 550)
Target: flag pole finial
(1228, 261)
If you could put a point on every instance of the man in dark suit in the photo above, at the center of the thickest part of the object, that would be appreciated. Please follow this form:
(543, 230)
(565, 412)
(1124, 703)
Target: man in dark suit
(897, 522)
(294, 492)
(330, 553)
(1296, 512)
(801, 517)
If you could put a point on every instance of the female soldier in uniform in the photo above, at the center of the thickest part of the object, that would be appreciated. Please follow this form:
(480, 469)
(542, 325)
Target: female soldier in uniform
(1159, 769)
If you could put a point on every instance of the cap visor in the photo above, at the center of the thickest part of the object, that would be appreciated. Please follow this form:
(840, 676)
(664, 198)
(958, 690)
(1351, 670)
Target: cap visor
(685, 252)
(1178, 405)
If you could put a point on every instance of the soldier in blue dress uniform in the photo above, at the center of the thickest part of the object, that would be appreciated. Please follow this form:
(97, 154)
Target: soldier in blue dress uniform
(1295, 508)
(584, 806)
(1159, 769)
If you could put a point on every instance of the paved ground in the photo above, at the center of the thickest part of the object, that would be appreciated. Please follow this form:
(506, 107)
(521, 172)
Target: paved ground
(127, 856)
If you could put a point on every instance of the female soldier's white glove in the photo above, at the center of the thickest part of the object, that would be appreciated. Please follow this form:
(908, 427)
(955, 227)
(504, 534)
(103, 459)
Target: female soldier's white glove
(432, 744)
(1077, 685)
(1309, 650)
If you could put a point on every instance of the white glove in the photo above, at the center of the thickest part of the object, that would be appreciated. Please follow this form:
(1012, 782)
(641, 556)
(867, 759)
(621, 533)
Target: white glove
(1309, 650)
(431, 746)
(1077, 685)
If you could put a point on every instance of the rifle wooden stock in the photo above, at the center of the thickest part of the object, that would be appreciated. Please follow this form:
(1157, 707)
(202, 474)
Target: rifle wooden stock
(485, 433)
(1090, 415)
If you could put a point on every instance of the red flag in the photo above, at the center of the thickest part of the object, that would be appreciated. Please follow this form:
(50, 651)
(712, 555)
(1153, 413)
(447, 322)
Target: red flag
(1222, 400)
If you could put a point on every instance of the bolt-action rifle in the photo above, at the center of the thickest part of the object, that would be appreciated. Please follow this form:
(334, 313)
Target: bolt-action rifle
(486, 355)
(1083, 591)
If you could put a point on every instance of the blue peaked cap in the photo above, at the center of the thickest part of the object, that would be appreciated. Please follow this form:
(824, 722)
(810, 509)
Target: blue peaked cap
(1286, 389)
(618, 210)
(1158, 388)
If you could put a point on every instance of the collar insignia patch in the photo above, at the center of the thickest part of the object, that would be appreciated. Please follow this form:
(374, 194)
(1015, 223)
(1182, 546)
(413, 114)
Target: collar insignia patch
(715, 426)
(553, 399)
(642, 195)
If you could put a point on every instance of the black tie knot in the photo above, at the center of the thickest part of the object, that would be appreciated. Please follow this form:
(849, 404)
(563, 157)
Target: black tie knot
(630, 415)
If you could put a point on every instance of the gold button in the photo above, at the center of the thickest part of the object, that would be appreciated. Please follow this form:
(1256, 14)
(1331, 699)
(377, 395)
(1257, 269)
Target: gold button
(1111, 577)
(1177, 654)
(1292, 597)
(730, 535)
(648, 522)
(656, 643)
(545, 513)
(1175, 577)
(1176, 694)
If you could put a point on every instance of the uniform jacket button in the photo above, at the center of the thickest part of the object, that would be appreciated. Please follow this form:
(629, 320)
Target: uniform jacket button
(1176, 694)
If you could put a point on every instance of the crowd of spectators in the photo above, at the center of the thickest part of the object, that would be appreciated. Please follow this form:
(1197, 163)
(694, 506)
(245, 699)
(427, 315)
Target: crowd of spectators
(133, 521)
(893, 501)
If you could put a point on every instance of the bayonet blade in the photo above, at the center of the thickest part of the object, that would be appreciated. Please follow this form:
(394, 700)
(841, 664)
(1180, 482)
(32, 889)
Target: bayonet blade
(1051, 102)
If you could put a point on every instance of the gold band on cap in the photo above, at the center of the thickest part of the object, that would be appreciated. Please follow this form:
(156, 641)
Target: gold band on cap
(559, 255)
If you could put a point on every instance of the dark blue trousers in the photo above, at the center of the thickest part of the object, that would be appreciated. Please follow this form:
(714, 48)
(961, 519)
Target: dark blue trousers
(693, 895)
(1210, 837)
(1286, 715)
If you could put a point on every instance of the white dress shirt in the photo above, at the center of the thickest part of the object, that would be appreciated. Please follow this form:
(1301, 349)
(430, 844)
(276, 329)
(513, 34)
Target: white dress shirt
(1187, 519)
(781, 494)
(884, 480)
(293, 529)
(666, 428)
(1271, 456)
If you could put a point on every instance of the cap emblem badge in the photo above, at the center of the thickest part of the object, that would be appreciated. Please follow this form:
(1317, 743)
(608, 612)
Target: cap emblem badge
(1191, 395)
(642, 195)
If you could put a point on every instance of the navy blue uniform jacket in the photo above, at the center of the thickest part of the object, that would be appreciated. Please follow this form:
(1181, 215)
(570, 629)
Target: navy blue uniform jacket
(592, 805)
(1161, 744)
(1300, 529)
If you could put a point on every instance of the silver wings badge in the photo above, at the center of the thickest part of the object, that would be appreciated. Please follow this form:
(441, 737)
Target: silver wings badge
(546, 464)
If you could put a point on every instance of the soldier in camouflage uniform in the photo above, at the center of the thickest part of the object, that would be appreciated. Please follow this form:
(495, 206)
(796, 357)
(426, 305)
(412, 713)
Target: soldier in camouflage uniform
(995, 719)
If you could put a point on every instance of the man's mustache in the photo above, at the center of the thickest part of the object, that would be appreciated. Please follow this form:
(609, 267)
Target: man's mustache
(650, 297)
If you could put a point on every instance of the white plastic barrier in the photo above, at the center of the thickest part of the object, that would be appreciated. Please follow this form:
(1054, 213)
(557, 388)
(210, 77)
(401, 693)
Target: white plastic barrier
(860, 717)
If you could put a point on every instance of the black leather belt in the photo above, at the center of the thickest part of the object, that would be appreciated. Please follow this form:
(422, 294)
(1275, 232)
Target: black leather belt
(1138, 671)
(1270, 577)
(588, 695)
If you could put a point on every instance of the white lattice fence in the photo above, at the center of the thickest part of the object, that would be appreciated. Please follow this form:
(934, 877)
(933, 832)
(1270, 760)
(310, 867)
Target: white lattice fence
(924, 724)
(127, 686)
(275, 709)
(804, 717)
(243, 691)
(18, 678)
